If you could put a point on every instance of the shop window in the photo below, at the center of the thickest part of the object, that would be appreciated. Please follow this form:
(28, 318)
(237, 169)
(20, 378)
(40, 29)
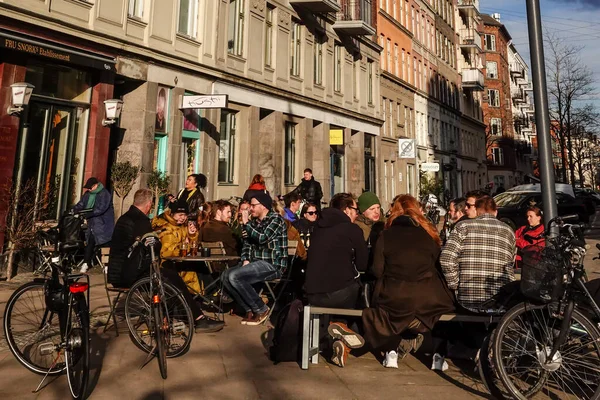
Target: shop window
(235, 41)
(59, 82)
(227, 146)
(290, 153)
(188, 17)
(190, 143)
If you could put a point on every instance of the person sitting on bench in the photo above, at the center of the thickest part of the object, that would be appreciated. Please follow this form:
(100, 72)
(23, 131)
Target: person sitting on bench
(410, 294)
(337, 253)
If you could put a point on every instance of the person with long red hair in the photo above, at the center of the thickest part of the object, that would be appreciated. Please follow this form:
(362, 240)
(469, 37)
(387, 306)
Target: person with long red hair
(410, 295)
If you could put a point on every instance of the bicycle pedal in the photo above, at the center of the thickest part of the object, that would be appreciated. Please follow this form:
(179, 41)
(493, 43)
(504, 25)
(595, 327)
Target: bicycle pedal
(46, 348)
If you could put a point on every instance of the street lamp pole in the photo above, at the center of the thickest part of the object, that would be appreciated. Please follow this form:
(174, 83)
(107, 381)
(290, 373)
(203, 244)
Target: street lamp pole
(542, 116)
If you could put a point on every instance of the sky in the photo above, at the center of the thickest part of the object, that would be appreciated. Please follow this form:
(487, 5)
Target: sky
(576, 21)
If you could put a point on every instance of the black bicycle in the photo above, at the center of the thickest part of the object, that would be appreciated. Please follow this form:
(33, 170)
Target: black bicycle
(549, 347)
(46, 323)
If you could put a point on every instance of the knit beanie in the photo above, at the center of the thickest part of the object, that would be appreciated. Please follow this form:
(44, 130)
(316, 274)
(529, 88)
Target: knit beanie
(366, 200)
(264, 199)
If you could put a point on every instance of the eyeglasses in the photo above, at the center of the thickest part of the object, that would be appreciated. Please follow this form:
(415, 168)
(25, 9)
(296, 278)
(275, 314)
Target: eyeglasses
(254, 204)
(354, 208)
(311, 212)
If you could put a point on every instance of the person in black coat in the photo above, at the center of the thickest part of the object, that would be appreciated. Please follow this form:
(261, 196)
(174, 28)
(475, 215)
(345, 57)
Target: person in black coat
(123, 271)
(309, 189)
(192, 195)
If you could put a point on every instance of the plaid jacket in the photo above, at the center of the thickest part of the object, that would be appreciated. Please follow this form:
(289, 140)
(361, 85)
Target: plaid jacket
(478, 259)
(266, 240)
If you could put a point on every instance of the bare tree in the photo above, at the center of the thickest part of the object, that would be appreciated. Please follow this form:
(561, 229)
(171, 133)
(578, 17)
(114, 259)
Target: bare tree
(584, 122)
(569, 81)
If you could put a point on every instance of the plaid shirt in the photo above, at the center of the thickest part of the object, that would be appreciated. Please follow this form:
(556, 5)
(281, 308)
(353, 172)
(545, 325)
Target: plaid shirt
(266, 240)
(478, 259)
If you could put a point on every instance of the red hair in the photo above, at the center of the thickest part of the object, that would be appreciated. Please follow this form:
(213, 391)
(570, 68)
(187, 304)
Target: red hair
(258, 178)
(405, 204)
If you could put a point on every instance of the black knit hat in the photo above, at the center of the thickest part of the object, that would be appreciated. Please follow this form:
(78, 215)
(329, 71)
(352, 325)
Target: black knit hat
(179, 207)
(264, 199)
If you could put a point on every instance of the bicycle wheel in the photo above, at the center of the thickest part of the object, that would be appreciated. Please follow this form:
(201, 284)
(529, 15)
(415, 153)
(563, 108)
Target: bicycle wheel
(138, 316)
(161, 335)
(523, 344)
(487, 372)
(77, 350)
(32, 331)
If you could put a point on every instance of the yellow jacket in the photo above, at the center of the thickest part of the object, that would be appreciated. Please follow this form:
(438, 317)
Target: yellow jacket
(171, 238)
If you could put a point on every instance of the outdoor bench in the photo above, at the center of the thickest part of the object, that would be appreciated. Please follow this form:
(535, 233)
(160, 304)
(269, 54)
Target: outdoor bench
(310, 329)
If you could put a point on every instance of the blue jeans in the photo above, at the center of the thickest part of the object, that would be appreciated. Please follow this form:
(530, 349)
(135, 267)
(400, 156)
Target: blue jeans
(238, 281)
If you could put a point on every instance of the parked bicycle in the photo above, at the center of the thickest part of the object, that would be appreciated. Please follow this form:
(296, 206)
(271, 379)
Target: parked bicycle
(158, 318)
(46, 323)
(549, 346)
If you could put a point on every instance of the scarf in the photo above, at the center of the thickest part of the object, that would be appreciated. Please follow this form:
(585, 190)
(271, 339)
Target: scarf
(92, 199)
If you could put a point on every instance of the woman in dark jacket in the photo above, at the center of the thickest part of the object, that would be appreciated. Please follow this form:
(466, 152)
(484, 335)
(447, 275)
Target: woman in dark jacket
(307, 222)
(256, 186)
(410, 294)
(192, 195)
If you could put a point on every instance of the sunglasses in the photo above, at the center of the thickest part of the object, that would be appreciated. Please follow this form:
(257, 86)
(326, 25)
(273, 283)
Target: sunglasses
(311, 212)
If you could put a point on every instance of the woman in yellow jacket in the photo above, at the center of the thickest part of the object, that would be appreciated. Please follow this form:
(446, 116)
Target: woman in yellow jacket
(173, 232)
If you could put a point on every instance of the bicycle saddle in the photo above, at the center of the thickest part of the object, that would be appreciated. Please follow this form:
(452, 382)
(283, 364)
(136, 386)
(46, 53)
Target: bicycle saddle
(71, 246)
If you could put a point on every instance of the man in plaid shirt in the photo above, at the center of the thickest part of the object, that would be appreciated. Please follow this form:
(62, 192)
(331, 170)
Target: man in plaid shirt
(264, 257)
(478, 258)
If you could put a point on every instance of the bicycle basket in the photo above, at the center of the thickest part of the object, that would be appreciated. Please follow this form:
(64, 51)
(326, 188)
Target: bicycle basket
(542, 272)
(70, 229)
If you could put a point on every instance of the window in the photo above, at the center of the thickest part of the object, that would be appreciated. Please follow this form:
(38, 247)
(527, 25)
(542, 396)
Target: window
(491, 68)
(235, 41)
(370, 81)
(136, 8)
(269, 36)
(403, 64)
(490, 42)
(496, 126)
(388, 52)
(295, 43)
(318, 61)
(337, 68)
(369, 164)
(410, 179)
(396, 60)
(227, 146)
(188, 17)
(290, 153)
(493, 98)
(497, 156)
(384, 115)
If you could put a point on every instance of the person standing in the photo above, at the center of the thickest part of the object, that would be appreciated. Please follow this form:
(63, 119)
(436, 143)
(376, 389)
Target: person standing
(100, 218)
(192, 194)
(310, 189)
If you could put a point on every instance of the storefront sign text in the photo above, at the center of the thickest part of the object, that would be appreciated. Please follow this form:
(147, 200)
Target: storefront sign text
(336, 136)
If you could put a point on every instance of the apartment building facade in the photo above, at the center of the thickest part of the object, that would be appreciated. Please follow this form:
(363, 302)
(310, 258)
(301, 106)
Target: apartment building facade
(301, 78)
(497, 110)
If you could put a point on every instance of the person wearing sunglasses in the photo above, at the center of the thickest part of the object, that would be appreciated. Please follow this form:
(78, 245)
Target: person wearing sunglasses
(306, 224)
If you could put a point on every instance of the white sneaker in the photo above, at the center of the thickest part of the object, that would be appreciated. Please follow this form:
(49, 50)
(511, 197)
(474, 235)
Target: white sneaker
(439, 363)
(84, 268)
(391, 359)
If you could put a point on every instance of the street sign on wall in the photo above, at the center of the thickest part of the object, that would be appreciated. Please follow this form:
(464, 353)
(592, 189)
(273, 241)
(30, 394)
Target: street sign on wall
(430, 167)
(205, 101)
(406, 148)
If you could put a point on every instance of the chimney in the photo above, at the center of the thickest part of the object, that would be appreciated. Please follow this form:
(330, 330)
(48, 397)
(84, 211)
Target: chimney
(496, 16)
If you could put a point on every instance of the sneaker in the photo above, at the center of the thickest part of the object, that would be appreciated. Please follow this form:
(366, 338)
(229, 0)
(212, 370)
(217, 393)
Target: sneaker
(84, 268)
(391, 359)
(439, 363)
(248, 317)
(340, 331)
(207, 325)
(340, 353)
(259, 318)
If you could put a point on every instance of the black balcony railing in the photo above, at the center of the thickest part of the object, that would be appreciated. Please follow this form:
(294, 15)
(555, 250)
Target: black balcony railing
(356, 10)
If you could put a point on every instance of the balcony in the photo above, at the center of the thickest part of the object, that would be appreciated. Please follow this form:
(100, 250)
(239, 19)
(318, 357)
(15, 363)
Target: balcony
(517, 71)
(528, 86)
(472, 78)
(470, 40)
(518, 95)
(318, 6)
(469, 8)
(355, 18)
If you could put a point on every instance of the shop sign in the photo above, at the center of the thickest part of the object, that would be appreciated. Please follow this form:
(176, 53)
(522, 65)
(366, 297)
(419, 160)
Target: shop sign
(430, 167)
(206, 101)
(36, 48)
(336, 136)
(406, 148)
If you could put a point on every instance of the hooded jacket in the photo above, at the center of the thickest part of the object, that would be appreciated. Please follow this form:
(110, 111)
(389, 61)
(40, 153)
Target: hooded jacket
(336, 255)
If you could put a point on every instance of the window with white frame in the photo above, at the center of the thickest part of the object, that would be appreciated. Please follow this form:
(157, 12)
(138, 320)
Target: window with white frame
(235, 35)
(136, 8)
(388, 53)
(370, 81)
(396, 60)
(496, 126)
(491, 68)
(295, 45)
(494, 98)
(490, 42)
(318, 61)
(497, 156)
(188, 17)
(269, 36)
(290, 153)
(227, 146)
(337, 67)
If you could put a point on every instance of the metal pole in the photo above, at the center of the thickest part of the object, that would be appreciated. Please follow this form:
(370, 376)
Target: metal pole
(542, 116)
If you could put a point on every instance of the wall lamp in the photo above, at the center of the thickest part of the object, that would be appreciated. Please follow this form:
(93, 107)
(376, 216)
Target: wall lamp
(112, 111)
(21, 92)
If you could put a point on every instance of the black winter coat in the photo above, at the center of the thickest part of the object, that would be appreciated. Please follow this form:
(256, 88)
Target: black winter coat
(123, 271)
(337, 253)
(310, 191)
(194, 200)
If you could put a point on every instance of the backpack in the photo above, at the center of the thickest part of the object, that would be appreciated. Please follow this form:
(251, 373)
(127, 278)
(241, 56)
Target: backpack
(288, 333)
